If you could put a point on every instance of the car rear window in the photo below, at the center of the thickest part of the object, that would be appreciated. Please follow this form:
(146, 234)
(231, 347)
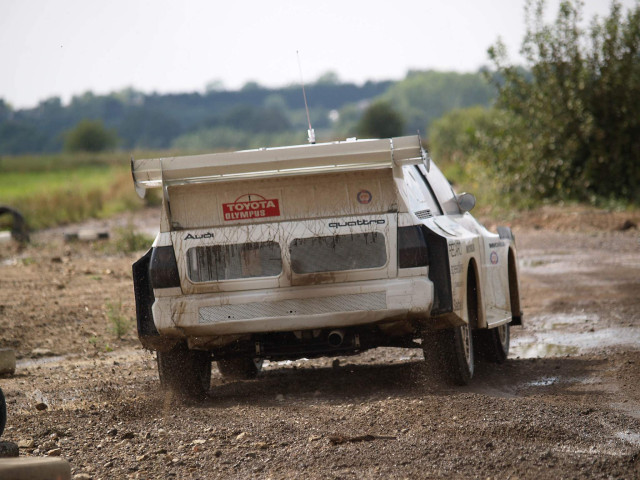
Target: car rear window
(227, 262)
(338, 253)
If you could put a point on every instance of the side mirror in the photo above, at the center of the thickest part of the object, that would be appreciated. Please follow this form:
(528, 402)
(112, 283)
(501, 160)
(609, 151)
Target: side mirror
(466, 202)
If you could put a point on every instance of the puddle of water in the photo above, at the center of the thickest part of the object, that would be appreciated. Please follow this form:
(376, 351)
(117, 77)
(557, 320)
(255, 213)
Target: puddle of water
(554, 344)
(543, 382)
(30, 362)
(557, 321)
(593, 450)
(283, 363)
(629, 437)
(552, 264)
(535, 350)
(606, 337)
(631, 409)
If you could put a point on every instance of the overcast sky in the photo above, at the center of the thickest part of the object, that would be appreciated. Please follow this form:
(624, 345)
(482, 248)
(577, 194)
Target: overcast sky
(66, 47)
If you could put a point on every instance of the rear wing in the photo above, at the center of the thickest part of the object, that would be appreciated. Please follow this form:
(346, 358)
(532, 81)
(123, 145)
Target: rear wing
(281, 161)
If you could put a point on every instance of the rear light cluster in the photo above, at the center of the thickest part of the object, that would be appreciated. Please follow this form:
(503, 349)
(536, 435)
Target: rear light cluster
(163, 269)
(412, 247)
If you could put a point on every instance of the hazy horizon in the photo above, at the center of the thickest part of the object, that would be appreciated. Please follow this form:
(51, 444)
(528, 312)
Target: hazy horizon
(62, 49)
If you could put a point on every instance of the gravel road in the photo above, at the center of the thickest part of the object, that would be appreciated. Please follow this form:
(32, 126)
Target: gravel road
(566, 404)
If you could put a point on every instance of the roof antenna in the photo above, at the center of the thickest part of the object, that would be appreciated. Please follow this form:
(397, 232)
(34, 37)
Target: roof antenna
(310, 132)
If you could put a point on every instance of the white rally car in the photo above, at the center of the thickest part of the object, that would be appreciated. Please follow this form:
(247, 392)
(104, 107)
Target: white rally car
(318, 250)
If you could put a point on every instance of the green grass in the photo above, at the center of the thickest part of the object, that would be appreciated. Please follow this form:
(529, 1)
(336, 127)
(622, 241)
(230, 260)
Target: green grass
(51, 190)
(127, 240)
(18, 185)
(57, 162)
(120, 324)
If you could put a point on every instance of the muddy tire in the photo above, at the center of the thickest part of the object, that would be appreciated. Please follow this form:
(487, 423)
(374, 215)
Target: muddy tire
(185, 372)
(492, 345)
(449, 354)
(241, 368)
(3, 412)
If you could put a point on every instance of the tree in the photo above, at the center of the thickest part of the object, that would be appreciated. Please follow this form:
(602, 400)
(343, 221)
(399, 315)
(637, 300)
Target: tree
(380, 120)
(575, 128)
(90, 136)
(328, 78)
(460, 134)
(424, 96)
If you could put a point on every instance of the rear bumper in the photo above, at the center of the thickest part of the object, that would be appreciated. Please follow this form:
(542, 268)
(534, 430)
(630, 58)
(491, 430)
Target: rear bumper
(294, 308)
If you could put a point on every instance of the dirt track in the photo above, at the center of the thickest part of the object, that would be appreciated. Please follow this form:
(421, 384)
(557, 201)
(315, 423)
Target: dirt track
(574, 413)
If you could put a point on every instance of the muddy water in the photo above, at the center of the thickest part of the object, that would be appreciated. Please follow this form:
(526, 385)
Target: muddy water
(554, 336)
(578, 295)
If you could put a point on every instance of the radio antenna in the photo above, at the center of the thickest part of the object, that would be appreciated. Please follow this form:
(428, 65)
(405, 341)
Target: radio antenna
(311, 134)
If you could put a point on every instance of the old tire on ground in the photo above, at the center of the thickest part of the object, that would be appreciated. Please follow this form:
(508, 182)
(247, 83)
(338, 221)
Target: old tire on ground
(3, 412)
(185, 372)
(240, 368)
(492, 345)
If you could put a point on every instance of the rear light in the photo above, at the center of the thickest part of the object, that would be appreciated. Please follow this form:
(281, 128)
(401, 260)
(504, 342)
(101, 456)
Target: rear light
(163, 269)
(412, 247)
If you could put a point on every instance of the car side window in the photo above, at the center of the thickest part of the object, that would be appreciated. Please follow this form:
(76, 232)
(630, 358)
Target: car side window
(441, 188)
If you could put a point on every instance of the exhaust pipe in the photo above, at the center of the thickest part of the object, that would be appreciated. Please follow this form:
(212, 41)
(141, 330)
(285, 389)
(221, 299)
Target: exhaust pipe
(335, 338)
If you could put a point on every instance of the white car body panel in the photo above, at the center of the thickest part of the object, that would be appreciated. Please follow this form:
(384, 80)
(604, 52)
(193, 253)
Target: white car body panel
(243, 204)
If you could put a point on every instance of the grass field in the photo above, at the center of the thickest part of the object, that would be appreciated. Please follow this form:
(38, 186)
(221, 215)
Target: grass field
(52, 190)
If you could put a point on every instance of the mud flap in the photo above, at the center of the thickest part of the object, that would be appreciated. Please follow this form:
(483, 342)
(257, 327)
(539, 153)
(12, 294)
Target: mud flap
(144, 301)
(516, 320)
(506, 233)
(439, 272)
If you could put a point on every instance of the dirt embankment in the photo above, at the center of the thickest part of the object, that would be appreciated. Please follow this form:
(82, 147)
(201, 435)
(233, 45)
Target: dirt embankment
(565, 405)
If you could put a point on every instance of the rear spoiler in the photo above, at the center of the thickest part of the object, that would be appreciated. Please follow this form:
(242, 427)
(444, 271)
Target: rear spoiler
(281, 161)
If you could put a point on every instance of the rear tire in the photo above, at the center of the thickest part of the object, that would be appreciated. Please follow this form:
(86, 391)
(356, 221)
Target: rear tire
(493, 344)
(185, 372)
(240, 368)
(449, 354)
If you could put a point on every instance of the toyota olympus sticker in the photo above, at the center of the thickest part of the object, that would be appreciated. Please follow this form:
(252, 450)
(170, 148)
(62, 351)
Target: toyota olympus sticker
(250, 206)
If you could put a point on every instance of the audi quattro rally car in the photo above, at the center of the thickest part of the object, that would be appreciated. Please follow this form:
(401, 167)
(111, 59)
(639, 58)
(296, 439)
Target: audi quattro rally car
(318, 250)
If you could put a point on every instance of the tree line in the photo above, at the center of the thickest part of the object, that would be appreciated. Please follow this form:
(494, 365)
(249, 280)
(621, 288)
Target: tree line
(253, 116)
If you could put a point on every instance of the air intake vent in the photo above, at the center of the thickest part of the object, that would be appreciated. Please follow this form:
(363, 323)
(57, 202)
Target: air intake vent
(423, 214)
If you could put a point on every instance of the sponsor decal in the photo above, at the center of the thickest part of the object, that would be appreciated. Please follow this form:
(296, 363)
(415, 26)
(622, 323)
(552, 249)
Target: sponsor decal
(455, 249)
(456, 269)
(494, 258)
(251, 206)
(198, 237)
(496, 245)
(364, 197)
(471, 248)
(356, 223)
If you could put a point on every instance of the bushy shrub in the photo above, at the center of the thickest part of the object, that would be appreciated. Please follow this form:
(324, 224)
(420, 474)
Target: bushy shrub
(90, 136)
(570, 127)
(380, 120)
